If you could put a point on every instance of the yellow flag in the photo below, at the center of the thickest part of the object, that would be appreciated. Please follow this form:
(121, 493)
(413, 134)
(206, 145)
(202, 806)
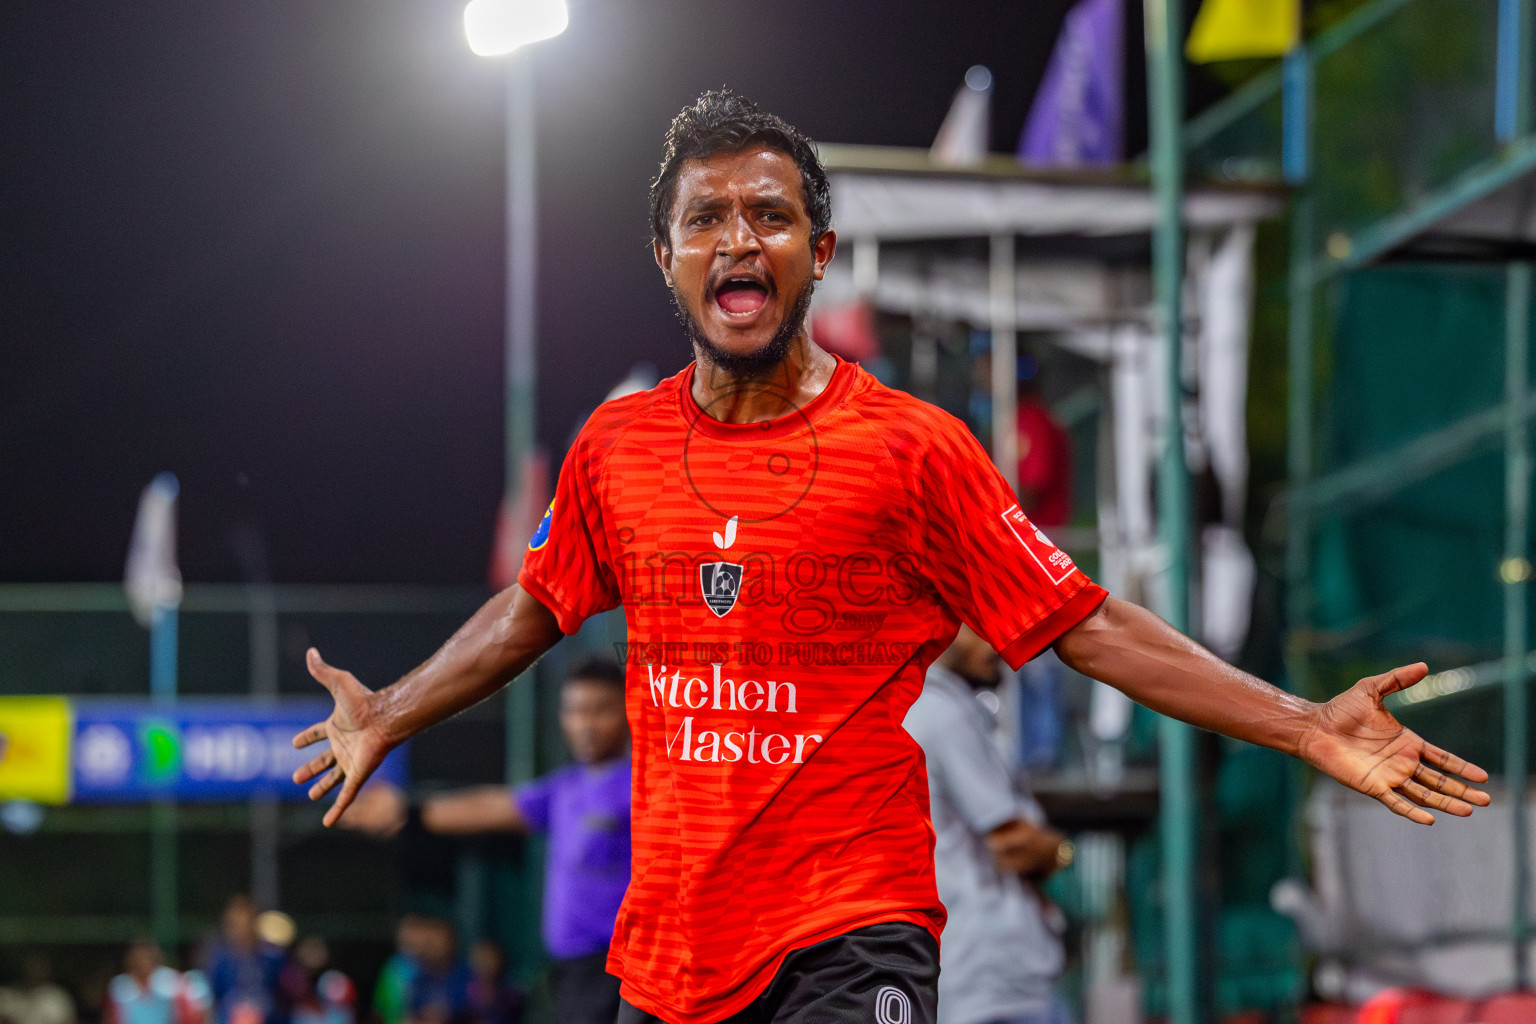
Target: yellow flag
(34, 749)
(1233, 29)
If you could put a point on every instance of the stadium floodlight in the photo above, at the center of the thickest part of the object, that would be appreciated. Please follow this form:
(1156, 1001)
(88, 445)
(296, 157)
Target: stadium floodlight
(497, 27)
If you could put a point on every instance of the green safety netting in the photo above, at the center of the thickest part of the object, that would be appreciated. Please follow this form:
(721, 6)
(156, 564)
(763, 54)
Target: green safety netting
(1410, 570)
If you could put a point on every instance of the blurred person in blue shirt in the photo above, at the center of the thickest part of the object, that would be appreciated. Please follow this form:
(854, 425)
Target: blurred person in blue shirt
(243, 970)
(492, 1000)
(439, 992)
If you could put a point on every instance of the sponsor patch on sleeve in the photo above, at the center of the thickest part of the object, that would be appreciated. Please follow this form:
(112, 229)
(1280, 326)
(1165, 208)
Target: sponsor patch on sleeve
(1054, 562)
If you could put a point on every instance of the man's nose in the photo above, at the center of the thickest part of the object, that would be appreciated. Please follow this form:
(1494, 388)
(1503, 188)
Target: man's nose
(737, 239)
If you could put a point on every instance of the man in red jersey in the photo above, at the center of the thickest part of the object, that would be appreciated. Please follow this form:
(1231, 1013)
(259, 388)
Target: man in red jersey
(793, 545)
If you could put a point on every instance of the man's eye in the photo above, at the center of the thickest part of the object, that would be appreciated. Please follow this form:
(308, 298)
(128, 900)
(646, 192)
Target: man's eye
(703, 220)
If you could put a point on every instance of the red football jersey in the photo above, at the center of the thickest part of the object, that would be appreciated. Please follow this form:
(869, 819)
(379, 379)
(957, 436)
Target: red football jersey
(786, 585)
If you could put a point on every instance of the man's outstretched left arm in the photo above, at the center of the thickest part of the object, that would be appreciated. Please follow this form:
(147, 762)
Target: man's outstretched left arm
(1352, 737)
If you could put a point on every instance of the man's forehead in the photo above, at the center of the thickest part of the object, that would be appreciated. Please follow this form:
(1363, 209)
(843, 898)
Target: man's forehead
(757, 168)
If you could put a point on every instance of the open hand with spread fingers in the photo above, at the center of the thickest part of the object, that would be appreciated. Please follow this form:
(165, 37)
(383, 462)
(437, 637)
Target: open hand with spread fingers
(358, 745)
(1358, 742)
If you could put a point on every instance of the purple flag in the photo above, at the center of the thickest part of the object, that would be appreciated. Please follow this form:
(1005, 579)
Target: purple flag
(1078, 115)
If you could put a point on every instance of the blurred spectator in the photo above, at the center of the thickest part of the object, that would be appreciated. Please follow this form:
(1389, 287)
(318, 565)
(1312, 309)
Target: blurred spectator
(491, 999)
(393, 990)
(90, 992)
(148, 992)
(439, 991)
(1045, 495)
(847, 330)
(313, 992)
(1002, 950)
(1043, 713)
(1045, 459)
(584, 808)
(275, 928)
(198, 991)
(243, 970)
(37, 1000)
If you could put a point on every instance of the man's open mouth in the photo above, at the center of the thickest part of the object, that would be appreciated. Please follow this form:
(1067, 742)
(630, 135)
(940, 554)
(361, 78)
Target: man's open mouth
(741, 296)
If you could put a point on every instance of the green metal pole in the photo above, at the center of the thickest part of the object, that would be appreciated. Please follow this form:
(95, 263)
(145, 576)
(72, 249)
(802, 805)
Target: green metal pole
(163, 883)
(1516, 572)
(1297, 80)
(1514, 123)
(1299, 342)
(1176, 741)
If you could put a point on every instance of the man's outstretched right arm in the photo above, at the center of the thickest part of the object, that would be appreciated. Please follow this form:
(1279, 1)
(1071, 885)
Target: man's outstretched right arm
(507, 634)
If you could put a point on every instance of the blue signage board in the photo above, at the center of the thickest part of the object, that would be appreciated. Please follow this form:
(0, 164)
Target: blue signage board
(199, 749)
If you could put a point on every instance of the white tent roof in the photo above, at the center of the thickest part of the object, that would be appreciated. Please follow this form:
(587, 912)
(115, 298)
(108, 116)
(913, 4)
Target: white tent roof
(888, 194)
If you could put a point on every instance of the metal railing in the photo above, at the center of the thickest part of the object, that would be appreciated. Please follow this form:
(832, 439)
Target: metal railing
(164, 868)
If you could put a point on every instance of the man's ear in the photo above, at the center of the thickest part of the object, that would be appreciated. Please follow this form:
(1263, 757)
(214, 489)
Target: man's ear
(821, 253)
(663, 256)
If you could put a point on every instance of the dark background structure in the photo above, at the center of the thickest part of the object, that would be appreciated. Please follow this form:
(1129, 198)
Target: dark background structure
(261, 245)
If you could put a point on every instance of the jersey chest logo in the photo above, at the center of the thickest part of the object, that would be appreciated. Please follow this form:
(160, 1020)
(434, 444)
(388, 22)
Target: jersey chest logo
(719, 583)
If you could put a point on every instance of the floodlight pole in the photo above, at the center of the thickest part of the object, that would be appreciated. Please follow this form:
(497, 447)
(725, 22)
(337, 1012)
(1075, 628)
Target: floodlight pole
(521, 367)
(1176, 740)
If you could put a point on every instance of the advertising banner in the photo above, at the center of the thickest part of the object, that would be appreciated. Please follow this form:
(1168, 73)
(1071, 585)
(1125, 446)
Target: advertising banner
(57, 750)
(34, 749)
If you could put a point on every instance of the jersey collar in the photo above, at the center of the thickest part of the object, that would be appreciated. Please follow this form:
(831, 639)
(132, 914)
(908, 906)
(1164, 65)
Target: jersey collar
(831, 396)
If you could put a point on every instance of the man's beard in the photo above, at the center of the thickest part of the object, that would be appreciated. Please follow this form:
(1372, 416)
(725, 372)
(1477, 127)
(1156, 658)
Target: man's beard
(755, 363)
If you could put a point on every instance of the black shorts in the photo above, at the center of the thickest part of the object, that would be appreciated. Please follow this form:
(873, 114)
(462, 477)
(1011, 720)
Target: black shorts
(883, 974)
(584, 991)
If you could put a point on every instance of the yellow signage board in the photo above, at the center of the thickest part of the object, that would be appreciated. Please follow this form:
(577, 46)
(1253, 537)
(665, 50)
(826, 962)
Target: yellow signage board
(34, 748)
(1237, 29)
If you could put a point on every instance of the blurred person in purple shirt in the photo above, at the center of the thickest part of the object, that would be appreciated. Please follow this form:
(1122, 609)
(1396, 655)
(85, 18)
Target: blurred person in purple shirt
(584, 810)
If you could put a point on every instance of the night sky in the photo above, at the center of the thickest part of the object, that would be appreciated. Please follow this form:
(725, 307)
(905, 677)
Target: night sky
(261, 245)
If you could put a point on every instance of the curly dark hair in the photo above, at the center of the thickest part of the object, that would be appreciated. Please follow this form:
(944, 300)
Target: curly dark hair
(721, 121)
(597, 669)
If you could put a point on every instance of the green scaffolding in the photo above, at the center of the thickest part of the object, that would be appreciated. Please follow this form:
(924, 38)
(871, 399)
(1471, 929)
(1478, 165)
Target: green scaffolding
(1410, 401)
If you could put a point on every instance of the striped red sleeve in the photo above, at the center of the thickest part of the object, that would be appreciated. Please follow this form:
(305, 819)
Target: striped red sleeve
(567, 566)
(995, 570)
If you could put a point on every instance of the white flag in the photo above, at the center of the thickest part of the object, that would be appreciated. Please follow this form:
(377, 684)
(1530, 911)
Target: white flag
(642, 377)
(964, 136)
(152, 578)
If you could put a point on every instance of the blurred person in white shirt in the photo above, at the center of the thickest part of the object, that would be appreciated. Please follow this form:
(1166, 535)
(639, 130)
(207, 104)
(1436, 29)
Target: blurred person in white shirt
(148, 992)
(1002, 952)
(38, 1000)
